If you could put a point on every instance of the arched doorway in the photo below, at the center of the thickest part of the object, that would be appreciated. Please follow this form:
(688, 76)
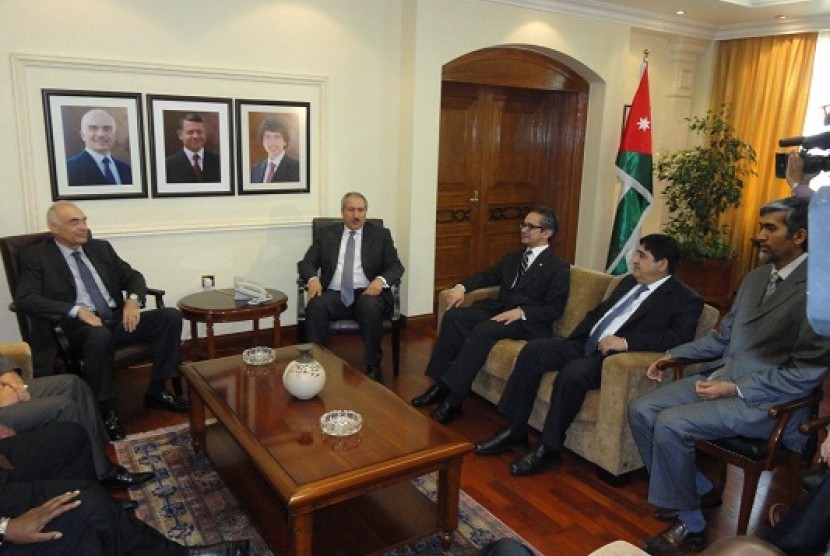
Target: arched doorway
(512, 135)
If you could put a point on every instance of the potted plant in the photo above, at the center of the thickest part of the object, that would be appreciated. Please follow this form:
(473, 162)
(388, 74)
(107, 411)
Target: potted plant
(703, 182)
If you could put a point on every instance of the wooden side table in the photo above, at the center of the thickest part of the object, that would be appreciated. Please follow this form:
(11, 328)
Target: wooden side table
(220, 306)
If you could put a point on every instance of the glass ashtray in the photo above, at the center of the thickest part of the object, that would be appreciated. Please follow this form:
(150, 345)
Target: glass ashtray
(341, 422)
(260, 355)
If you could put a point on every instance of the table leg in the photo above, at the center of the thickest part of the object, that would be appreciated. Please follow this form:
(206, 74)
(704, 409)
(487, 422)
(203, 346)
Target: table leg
(301, 526)
(277, 330)
(449, 483)
(211, 339)
(256, 331)
(197, 420)
(194, 340)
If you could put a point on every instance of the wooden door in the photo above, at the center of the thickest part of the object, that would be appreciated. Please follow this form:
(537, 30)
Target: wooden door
(502, 150)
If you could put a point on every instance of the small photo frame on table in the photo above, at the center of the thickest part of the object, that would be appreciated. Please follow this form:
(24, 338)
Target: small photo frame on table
(190, 145)
(273, 146)
(95, 144)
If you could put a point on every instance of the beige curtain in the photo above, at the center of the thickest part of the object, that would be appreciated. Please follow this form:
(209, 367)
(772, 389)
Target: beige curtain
(766, 82)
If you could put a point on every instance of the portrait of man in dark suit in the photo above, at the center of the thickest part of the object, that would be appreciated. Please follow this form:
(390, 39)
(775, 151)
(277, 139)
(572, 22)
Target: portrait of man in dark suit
(95, 165)
(275, 137)
(193, 163)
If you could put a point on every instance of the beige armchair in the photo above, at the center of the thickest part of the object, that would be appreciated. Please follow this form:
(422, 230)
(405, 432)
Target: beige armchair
(600, 431)
(17, 355)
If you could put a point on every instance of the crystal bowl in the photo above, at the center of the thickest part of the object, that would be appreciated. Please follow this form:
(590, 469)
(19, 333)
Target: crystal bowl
(260, 355)
(341, 422)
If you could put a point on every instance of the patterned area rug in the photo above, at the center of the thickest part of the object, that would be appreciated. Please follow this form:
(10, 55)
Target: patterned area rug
(191, 505)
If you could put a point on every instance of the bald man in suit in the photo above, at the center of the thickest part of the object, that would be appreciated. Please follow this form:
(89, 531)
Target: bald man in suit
(765, 353)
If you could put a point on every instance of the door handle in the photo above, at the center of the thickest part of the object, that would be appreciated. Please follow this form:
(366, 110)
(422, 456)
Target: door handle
(474, 198)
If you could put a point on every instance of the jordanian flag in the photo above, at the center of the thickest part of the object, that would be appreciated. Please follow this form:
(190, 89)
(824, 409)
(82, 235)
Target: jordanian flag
(634, 172)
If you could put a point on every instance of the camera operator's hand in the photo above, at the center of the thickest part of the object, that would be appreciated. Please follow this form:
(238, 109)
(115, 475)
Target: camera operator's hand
(795, 171)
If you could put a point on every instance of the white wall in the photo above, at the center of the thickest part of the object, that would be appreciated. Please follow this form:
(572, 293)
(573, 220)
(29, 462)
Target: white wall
(372, 69)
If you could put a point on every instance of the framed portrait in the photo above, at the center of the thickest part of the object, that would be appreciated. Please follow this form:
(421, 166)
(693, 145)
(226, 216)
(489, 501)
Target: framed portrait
(272, 146)
(95, 144)
(190, 145)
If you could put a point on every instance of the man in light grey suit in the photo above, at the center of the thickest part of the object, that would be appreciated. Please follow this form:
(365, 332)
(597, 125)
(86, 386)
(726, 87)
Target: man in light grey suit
(765, 353)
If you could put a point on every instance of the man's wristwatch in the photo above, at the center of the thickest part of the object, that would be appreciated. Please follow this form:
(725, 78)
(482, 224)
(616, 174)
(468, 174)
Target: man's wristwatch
(4, 522)
(133, 296)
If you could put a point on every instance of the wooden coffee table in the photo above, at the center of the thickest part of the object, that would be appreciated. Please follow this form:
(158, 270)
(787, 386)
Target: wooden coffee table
(220, 306)
(308, 493)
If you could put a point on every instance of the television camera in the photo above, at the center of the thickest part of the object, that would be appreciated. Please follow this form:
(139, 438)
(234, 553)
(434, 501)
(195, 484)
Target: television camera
(813, 163)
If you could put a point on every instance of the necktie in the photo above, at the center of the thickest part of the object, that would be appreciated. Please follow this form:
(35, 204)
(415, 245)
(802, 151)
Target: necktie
(108, 172)
(196, 168)
(271, 169)
(774, 280)
(593, 340)
(101, 306)
(347, 281)
(525, 264)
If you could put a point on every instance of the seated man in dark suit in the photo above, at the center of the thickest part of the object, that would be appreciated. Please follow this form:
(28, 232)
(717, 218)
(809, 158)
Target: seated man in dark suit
(278, 167)
(650, 310)
(95, 165)
(65, 397)
(764, 353)
(83, 280)
(357, 262)
(51, 505)
(534, 285)
(194, 163)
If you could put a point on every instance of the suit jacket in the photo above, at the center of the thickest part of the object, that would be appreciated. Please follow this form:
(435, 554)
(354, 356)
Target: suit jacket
(288, 170)
(767, 349)
(666, 318)
(377, 255)
(179, 170)
(82, 169)
(541, 292)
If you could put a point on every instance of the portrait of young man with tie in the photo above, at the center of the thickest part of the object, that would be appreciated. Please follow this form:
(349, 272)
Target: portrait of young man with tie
(533, 289)
(95, 165)
(99, 298)
(357, 262)
(278, 166)
(650, 310)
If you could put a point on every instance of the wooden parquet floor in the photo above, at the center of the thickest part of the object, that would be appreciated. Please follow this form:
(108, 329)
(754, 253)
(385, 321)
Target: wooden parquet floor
(567, 511)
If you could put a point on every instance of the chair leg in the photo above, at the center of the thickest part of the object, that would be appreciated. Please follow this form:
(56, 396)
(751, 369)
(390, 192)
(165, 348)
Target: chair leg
(301, 332)
(751, 478)
(396, 350)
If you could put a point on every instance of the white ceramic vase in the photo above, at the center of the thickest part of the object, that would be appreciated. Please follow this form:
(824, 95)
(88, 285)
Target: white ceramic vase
(304, 377)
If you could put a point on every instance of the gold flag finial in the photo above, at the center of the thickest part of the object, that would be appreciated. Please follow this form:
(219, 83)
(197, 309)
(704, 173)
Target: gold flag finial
(645, 55)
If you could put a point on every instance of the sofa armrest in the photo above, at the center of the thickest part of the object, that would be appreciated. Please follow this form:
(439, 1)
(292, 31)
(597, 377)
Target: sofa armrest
(469, 297)
(17, 355)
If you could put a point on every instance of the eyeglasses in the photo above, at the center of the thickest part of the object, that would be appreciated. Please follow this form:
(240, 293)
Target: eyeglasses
(529, 226)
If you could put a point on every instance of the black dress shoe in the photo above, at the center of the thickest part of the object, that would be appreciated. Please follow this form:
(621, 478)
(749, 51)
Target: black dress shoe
(675, 540)
(373, 372)
(225, 548)
(446, 412)
(503, 441)
(118, 478)
(434, 394)
(535, 461)
(709, 500)
(112, 424)
(166, 400)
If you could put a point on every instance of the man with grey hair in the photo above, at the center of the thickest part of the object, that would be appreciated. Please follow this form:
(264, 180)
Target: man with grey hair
(349, 268)
(98, 298)
(95, 165)
(763, 354)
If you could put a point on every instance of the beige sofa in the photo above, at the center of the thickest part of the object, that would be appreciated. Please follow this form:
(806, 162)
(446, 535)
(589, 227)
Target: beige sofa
(600, 432)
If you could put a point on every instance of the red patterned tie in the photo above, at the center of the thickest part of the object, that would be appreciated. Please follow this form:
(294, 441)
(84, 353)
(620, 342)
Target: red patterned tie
(197, 170)
(271, 168)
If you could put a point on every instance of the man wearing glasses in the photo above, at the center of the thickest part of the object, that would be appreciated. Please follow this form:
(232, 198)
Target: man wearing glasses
(533, 288)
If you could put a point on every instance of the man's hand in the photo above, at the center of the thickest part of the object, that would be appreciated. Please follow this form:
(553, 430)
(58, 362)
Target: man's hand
(456, 296)
(374, 287)
(14, 389)
(6, 432)
(795, 170)
(314, 288)
(508, 317)
(653, 373)
(714, 389)
(26, 528)
(130, 315)
(612, 344)
(824, 452)
(89, 317)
